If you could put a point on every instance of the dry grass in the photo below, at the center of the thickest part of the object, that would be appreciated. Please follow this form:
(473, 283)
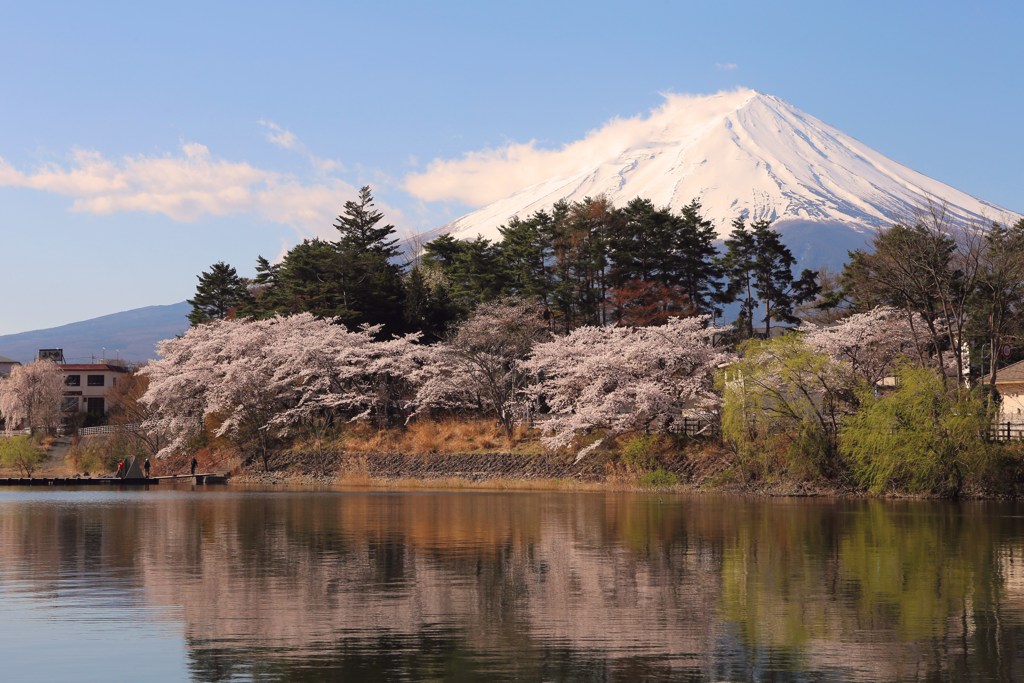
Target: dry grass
(444, 437)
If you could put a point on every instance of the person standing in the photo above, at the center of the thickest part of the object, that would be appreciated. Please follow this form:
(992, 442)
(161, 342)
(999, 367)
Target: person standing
(120, 468)
(195, 464)
(145, 466)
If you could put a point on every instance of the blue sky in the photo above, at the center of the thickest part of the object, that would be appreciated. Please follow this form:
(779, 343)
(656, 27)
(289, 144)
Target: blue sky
(140, 144)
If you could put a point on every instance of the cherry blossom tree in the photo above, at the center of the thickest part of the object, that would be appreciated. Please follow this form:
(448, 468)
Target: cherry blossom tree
(482, 366)
(621, 379)
(31, 395)
(870, 343)
(254, 381)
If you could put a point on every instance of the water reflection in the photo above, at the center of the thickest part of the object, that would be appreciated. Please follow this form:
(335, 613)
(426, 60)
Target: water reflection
(530, 586)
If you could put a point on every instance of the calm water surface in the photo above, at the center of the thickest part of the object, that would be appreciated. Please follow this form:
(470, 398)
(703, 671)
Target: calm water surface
(243, 585)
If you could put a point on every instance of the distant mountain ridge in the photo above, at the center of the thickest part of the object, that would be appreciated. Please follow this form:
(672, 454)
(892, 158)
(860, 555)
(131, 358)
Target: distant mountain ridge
(130, 336)
(743, 153)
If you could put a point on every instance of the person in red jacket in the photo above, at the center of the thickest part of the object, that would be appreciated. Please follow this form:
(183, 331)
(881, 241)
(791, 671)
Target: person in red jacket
(120, 468)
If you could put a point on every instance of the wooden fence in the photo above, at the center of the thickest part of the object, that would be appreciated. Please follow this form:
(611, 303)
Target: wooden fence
(1006, 431)
(699, 427)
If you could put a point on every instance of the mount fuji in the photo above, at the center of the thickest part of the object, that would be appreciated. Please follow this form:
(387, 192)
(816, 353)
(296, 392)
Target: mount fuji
(743, 153)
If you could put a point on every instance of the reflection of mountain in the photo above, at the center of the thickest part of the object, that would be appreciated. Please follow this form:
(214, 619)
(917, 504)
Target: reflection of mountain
(542, 586)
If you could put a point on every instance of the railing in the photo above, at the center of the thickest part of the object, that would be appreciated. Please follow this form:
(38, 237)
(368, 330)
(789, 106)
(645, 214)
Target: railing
(695, 426)
(1006, 431)
(107, 429)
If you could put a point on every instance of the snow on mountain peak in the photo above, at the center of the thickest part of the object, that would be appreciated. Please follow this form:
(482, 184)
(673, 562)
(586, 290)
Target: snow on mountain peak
(739, 152)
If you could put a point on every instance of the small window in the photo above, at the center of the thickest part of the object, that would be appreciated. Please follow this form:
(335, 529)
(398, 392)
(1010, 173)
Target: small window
(94, 380)
(70, 404)
(72, 380)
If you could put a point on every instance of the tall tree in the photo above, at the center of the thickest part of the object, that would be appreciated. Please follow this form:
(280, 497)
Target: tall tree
(756, 262)
(737, 265)
(776, 287)
(371, 280)
(359, 229)
(997, 306)
(473, 270)
(930, 269)
(699, 268)
(220, 292)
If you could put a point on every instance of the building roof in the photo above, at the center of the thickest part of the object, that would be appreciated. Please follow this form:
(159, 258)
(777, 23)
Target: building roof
(1011, 373)
(5, 359)
(92, 367)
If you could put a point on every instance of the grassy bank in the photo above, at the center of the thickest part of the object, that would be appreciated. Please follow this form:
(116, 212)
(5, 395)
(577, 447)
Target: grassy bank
(477, 454)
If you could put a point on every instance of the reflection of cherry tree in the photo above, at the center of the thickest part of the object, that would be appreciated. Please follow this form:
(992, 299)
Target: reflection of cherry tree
(870, 343)
(31, 395)
(620, 379)
(257, 379)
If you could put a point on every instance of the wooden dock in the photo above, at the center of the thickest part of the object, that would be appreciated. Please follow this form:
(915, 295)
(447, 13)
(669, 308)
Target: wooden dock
(201, 478)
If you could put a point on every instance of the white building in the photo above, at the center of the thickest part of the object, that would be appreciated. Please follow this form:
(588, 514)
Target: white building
(1010, 385)
(87, 385)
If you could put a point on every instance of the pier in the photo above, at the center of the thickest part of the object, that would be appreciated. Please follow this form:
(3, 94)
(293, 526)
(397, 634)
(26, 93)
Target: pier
(201, 478)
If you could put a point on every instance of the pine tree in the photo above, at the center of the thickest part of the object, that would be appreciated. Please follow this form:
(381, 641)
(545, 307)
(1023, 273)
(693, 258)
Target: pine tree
(699, 269)
(368, 279)
(773, 277)
(359, 230)
(737, 266)
(220, 292)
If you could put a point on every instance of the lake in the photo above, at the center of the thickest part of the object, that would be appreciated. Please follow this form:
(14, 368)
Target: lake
(232, 585)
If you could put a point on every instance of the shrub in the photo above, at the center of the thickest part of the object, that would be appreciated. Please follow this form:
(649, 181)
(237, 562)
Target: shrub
(91, 455)
(22, 453)
(924, 437)
(781, 409)
(640, 453)
(659, 478)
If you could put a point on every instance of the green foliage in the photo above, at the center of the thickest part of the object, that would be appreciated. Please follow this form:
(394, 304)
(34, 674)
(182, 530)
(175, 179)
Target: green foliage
(922, 437)
(640, 453)
(758, 269)
(21, 453)
(659, 478)
(782, 406)
(220, 293)
(355, 279)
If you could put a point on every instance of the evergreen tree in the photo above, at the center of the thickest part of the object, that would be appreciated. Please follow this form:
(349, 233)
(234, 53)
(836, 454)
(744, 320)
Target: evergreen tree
(473, 270)
(311, 279)
(737, 266)
(773, 277)
(699, 269)
(220, 293)
(359, 232)
(370, 280)
(758, 270)
(580, 245)
(527, 253)
(428, 305)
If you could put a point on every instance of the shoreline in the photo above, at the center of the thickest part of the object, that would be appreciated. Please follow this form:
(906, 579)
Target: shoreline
(513, 472)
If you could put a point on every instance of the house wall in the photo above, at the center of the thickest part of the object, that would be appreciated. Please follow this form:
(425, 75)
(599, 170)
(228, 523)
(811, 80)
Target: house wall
(76, 397)
(1012, 408)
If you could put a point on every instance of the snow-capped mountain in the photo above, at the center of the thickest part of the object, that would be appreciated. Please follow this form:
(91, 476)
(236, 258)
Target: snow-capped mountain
(742, 153)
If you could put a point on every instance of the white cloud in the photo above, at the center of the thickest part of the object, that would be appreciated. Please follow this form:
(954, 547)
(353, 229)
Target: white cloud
(285, 139)
(726, 66)
(481, 177)
(193, 184)
(280, 136)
